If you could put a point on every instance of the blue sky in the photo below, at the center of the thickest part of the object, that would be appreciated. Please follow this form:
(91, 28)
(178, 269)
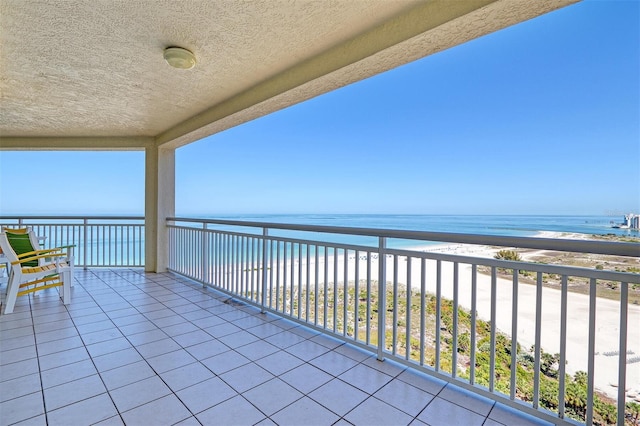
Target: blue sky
(539, 118)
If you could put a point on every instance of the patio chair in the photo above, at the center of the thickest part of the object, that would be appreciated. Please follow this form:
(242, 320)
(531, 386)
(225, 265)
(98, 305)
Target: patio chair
(28, 274)
(25, 242)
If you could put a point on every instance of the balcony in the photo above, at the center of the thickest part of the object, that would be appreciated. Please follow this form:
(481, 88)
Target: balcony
(146, 348)
(253, 310)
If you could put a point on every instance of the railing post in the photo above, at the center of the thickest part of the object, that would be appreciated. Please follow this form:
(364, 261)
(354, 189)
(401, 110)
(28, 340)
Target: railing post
(205, 256)
(382, 295)
(84, 243)
(263, 299)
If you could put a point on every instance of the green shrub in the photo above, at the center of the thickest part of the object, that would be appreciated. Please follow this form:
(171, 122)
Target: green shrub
(508, 255)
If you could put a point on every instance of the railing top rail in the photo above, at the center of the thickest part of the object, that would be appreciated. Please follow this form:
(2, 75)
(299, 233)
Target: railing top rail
(555, 244)
(30, 218)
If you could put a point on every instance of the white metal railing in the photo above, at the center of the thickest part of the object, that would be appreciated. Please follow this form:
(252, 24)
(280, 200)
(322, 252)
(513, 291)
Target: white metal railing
(462, 317)
(109, 241)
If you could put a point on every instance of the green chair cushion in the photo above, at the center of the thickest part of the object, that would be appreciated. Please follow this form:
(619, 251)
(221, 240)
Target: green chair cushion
(21, 244)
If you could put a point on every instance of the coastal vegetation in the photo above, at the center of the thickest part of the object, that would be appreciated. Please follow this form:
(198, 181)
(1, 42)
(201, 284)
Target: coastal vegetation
(604, 289)
(408, 334)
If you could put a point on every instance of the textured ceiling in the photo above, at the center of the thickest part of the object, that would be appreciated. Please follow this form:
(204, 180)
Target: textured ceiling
(94, 68)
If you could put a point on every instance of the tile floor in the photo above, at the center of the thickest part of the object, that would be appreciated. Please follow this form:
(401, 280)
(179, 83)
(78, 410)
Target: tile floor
(139, 348)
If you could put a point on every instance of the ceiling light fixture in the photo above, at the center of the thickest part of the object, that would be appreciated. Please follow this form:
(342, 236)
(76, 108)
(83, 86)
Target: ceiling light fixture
(180, 58)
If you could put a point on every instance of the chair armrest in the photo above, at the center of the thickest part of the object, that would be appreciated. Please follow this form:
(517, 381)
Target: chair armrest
(37, 252)
(40, 256)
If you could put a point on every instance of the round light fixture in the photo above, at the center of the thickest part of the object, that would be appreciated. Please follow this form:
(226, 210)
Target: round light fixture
(180, 58)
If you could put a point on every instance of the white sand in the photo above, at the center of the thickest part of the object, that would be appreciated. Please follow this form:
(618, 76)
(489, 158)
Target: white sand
(607, 317)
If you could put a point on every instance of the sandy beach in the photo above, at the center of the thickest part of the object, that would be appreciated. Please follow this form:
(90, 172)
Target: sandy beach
(607, 311)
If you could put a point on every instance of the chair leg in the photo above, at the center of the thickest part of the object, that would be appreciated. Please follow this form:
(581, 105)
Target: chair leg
(12, 293)
(71, 268)
(66, 285)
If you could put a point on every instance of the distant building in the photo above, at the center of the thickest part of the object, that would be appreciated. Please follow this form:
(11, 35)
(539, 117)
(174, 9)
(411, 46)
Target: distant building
(631, 221)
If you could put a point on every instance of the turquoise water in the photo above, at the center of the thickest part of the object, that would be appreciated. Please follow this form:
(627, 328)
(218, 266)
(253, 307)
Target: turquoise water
(519, 226)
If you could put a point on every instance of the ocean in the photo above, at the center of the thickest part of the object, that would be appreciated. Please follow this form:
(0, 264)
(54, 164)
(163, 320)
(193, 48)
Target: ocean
(504, 225)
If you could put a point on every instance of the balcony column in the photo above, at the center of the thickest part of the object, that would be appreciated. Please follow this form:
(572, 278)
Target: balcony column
(160, 195)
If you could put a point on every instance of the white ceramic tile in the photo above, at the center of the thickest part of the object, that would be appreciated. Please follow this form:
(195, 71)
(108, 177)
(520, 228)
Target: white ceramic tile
(17, 332)
(264, 330)
(100, 336)
(88, 411)
(441, 412)
(222, 330)
(238, 339)
(171, 360)
(279, 362)
(306, 350)
(108, 346)
(88, 319)
(285, 339)
(159, 347)
(246, 377)
(257, 350)
(16, 316)
(21, 408)
(111, 421)
(466, 399)
(71, 392)
(352, 352)
(338, 396)
(156, 314)
(67, 373)
(205, 395)
(17, 342)
(304, 332)
(147, 336)
(326, 341)
(423, 381)
(305, 411)
(233, 315)
(404, 397)
(59, 359)
(139, 393)
(510, 416)
(181, 328)
(207, 349)
(121, 312)
(19, 369)
(55, 325)
(130, 319)
(59, 345)
(56, 334)
(375, 412)
(93, 327)
(15, 355)
(40, 420)
(116, 359)
(333, 363)
(306, 378)
(197, 315)
(126, 374)
(20, 386)
(192, 338)
(365, 378)
(167, 410)
(191, 421)
(186, 376)
(234, 411)
(224, 362)
(272, 396)
(386, 366)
